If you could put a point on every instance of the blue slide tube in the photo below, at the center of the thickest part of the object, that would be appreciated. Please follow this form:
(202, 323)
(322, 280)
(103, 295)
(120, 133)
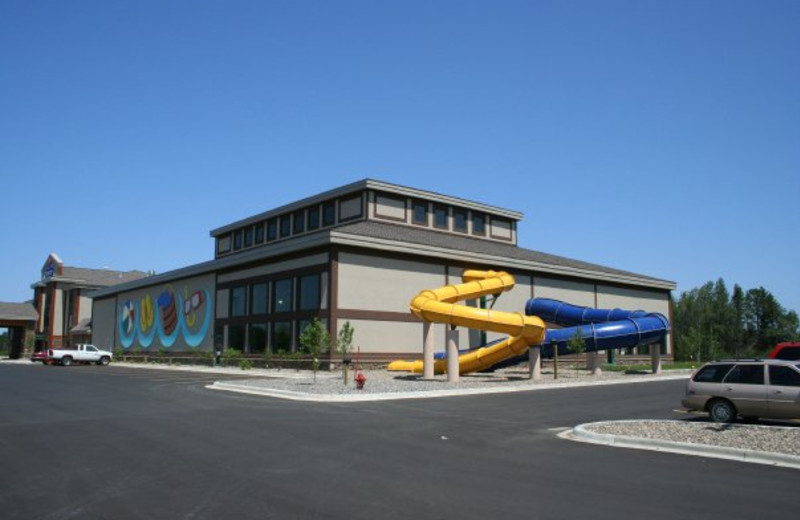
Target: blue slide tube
(602, 329)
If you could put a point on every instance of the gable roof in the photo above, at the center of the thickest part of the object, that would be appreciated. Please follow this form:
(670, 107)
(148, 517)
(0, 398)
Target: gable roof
(18, 312)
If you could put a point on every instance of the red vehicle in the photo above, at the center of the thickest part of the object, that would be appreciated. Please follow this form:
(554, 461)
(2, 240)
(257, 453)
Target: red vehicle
(41, 356)
(789, 351)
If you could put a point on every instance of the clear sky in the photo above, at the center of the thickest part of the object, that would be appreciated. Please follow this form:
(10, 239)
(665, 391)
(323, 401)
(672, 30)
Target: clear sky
(660, 137)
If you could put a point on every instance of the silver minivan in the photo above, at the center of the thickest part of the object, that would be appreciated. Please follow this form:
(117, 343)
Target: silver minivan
(747, 388)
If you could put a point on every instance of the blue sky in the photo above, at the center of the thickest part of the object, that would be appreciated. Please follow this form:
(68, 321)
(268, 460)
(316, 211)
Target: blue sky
(657, 137)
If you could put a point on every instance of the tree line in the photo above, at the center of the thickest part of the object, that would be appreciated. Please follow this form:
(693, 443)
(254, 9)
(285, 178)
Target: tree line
(709, 322)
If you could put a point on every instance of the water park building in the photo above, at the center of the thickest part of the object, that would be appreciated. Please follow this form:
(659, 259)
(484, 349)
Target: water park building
(358, 253)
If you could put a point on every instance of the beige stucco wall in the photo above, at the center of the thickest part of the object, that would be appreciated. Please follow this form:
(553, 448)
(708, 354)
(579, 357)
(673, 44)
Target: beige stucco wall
(104, 323)
(57, 326)
(85, 310)
(386, 336)
(383, 284)
(576, 293)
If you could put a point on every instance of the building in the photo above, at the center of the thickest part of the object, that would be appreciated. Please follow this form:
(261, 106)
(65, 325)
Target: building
(357, 253)
(20, 320)
(61, 299)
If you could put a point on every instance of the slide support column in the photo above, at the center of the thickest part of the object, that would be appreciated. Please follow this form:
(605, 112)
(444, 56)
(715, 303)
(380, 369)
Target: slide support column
(427, 350)
(535, 361)
(452, 355)
(655, 356)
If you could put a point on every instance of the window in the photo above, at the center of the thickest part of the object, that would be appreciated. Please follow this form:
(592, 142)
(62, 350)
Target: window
(286, 226)
(440, 216)
(272, 230)
(248, 236)
(282, 336)
(258, 299)
(223, 245)
(237, 239)
(784, 376)
(313, 218)
(712, 373)
(258, 338)
(309, 292)
(299, 221)
(460, 220)
(479, 224)
(236, 337)
(746, 375)
(259, 233)
(239, 301)
(328, 214)
(282, 296)
(350, 209)
(419, 210)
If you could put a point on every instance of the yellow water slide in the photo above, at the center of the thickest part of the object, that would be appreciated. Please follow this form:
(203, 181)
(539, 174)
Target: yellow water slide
(440, 306)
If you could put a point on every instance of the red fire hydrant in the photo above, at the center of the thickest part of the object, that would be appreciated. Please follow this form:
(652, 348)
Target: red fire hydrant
(360, 380)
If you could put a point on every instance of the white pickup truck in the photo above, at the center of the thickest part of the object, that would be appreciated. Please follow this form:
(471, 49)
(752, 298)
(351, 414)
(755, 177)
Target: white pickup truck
(80, 354)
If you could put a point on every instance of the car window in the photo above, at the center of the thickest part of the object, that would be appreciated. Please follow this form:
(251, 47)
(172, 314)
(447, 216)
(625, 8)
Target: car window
(789, 353)
(784, 376)
(712, 373)
(746, 375)
(91, 348)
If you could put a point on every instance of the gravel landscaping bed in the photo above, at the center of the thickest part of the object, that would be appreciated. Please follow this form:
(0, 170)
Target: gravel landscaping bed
(383, 381)
(770, 439)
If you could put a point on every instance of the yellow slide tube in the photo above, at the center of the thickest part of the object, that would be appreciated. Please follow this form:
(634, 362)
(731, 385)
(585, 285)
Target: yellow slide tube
(439, 306)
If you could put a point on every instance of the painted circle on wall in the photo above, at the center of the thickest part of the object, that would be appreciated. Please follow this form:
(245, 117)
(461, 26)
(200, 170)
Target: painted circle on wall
(128, 317)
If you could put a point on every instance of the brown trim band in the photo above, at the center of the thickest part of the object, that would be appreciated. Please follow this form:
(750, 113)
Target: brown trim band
(357, 314)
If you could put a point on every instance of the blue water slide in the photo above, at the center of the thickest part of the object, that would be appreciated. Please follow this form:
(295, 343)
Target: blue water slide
(601, 329)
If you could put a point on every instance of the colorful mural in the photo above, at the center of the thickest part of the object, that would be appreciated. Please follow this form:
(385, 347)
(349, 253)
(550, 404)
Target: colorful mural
(165, 318)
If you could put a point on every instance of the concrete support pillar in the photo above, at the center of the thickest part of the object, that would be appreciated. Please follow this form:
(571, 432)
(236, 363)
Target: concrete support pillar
(655, 357)
(427, 350)
(452, 355)
(535, 360)
(593, 363)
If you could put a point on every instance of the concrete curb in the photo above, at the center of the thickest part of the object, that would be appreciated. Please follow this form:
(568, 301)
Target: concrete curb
(582, 434)
(391, 396)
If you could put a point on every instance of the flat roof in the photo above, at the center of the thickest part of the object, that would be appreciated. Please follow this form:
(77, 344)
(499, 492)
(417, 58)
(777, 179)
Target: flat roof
(369, 184)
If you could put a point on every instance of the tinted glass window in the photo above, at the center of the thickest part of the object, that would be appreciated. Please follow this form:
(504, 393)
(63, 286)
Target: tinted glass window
(712, 373)
(313, 218)
(259, 234)
(237, 239)
(282, 336)
(286, 226)
(440, 216)
(309, 292)
(239, 302)
(746, 375)
(258, 337)
(419, 210)
(236, 337)
(789, 353)
(248, 237)
(272, 230)
(258, 304)
(460, 220)
(784, 376)
(282, 300)
(478, 224)
(299, 221)
(328, 214)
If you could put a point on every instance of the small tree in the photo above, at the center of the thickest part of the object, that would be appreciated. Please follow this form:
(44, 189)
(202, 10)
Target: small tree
(315, 340)
(344, 345)
(576, 345)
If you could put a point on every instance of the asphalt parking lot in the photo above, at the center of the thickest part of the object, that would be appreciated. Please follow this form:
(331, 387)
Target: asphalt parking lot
(117, 442)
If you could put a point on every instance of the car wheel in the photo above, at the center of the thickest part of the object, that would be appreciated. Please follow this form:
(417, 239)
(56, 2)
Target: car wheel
(722, 411)
(104, 361)
(66, 361)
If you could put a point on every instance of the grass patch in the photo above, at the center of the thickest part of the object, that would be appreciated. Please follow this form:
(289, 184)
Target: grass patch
(647, 367)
